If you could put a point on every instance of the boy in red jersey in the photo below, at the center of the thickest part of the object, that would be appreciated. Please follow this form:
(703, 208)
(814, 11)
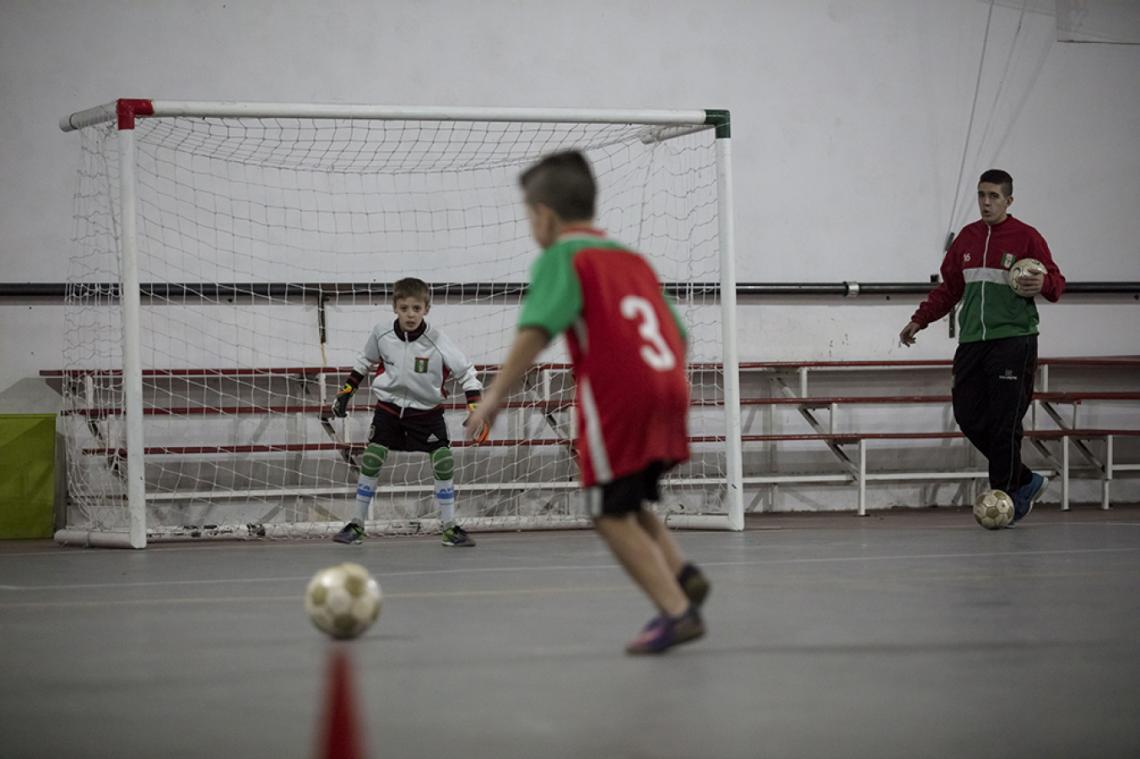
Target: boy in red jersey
(628, 351)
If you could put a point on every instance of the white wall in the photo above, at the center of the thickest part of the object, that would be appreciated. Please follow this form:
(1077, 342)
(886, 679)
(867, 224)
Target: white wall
(849, 116)
(850, 120)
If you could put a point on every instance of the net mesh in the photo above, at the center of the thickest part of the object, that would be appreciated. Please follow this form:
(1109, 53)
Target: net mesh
(266, 251)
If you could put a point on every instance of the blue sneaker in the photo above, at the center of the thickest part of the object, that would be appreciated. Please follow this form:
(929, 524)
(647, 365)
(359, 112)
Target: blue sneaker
(1025, 495)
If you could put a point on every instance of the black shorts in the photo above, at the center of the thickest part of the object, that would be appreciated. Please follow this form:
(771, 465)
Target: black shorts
(414, 431)
(625, 495)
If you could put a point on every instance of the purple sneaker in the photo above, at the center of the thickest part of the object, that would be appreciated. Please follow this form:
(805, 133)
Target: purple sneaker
(663, 632)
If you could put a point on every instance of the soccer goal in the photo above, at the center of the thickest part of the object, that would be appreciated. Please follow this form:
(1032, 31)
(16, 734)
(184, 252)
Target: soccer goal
(231, 258)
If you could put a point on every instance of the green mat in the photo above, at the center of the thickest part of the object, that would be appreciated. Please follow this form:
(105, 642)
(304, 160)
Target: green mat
(27, 475)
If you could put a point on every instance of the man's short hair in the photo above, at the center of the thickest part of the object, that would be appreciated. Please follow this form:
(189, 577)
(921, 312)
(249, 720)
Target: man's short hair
(410, 287)
(998, 177)
(564, 183)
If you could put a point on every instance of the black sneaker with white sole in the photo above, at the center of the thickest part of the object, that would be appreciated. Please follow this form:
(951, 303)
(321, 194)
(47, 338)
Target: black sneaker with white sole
(350, 534)
(455, 536)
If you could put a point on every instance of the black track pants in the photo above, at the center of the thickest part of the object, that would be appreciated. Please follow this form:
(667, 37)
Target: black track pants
(993, 385)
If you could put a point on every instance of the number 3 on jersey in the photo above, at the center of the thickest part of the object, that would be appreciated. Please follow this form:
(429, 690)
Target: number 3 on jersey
(656, 352)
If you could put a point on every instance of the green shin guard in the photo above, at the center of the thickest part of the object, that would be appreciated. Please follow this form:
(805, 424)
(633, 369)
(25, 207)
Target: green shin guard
(442, 463)
(443, 466)
(374, 457)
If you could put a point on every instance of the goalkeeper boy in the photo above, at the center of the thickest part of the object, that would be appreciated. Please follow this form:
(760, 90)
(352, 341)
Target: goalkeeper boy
(628, 350)
(409, 361)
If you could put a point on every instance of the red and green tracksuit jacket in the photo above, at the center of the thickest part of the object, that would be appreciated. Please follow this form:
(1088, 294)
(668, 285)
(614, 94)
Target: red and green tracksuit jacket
(975, 271)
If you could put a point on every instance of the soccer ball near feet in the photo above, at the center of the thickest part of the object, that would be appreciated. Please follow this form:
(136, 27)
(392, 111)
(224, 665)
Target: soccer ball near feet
(993, 509)
(343, 601)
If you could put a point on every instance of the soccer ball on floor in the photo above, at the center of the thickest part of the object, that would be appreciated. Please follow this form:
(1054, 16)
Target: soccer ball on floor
(993, 509)
(343, 601)
(1022, 267)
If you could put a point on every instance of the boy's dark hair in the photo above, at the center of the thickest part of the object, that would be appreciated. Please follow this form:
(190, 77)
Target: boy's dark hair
(564, 183)
(999, 177)
(410, 287)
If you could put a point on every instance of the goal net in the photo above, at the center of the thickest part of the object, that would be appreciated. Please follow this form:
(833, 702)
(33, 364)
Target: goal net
(263, 247)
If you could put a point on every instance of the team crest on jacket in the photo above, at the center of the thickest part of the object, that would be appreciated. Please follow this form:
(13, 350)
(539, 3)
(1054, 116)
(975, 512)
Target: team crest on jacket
(1007, 260)
(421, 366)
(966, 258)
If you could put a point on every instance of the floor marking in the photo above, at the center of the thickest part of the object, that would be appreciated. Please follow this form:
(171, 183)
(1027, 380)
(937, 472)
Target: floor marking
(296, 597)
(583, 567)
(416, 541)
(265, 544)
(300, 578)
(922, 556)
(155, 583)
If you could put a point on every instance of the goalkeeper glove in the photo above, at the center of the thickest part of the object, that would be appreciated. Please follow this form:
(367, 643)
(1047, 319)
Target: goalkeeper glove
(480, 436)
(340, 403)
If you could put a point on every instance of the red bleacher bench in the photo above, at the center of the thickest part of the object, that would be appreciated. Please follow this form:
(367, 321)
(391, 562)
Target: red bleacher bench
(836, 440)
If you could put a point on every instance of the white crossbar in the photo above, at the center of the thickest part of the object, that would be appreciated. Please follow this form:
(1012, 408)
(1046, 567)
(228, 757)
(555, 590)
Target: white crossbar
(228, 109)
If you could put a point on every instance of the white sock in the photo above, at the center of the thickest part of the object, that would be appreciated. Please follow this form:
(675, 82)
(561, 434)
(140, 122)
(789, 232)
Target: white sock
(445, 501)
(365, 487)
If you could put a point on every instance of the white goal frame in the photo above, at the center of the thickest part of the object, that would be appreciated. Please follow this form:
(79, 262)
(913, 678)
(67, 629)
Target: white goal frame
(124, 112)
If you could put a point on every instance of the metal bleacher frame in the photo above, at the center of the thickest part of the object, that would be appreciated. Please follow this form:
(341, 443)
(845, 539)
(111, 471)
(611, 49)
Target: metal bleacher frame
(854, 469)
(851, 449)
(853, 465)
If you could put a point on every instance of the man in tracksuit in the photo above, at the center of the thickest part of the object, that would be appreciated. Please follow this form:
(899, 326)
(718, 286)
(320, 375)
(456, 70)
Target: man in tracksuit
(996, 358)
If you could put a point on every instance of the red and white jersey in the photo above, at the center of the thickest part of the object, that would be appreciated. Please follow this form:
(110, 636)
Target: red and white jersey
(628, 351)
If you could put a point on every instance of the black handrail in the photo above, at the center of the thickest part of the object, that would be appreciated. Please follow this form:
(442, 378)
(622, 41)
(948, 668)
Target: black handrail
(181, 291)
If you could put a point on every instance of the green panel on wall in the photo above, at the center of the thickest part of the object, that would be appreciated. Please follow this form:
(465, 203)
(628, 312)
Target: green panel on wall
(27, 475)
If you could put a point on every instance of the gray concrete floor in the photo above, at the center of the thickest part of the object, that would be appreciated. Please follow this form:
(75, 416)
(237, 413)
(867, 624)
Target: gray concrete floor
(898, 635)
